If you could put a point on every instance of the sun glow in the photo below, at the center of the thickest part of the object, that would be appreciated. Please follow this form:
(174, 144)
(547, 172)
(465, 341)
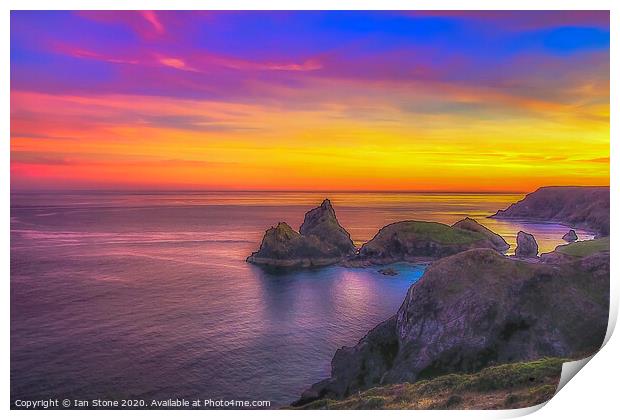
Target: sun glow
(260, 117)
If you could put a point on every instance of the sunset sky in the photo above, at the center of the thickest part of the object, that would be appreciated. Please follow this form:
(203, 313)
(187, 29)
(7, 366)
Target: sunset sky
(433, 101)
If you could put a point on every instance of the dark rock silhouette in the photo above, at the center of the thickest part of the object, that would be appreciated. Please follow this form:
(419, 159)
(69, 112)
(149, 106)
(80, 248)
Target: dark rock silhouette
(322, 241)
(470, 224)
(475, 309)
(527, 247)
(584, 207)
(570, 236)
(388, 272)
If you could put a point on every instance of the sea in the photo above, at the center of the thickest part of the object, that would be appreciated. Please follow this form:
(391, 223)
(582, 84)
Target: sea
(147, 295)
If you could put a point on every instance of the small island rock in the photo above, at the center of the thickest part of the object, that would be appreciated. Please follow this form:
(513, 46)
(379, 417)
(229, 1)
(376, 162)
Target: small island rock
(570, 236)
(527, 246)
(321, 241)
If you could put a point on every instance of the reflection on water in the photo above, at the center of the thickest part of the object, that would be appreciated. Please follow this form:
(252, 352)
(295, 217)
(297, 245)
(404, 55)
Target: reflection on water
(148, 295)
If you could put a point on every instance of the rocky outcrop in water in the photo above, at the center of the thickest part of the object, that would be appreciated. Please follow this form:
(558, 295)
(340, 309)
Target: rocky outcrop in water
(527, 247)
(475, 309)
(570, 236)
(470, 224)
(584, 207)
(321, 241)
(321, 222)
(388, 272)
(415, 241)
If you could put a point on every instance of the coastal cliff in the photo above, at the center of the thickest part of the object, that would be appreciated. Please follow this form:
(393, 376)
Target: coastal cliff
(475, 309)
(506, 386)
(582, 207)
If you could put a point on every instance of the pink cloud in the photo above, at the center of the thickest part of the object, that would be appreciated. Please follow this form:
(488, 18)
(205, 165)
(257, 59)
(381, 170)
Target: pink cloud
(78, 52)
(175, 63)
(151, 17)
(146, 24)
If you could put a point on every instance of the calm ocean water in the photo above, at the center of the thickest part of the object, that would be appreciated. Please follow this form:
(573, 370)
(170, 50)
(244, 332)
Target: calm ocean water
(147, 295)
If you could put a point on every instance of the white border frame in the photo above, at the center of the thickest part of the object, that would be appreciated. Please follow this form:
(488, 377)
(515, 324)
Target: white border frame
(593, 394)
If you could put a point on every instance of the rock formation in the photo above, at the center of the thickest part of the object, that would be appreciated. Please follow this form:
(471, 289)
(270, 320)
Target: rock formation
(570, 236)
(322, 223)
(585, 207)
(475, 309)
(527, 247)
(470, 224)
(415, 241)
(321, 241)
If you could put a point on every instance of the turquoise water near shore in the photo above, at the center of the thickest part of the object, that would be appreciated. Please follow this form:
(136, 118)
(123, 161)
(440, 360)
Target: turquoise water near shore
(147, 295)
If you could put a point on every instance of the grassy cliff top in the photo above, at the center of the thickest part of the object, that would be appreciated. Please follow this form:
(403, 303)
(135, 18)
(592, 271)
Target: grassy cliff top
(512, 385)
(584, 248)
(433, 231)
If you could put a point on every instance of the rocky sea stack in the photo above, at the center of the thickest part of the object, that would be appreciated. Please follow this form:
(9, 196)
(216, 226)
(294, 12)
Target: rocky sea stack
(322, 223)
(320, 241)
(527, 247)
(476, 309)
(570, 236)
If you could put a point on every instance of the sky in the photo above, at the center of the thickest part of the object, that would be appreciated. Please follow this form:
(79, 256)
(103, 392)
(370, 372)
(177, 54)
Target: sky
(395, 101)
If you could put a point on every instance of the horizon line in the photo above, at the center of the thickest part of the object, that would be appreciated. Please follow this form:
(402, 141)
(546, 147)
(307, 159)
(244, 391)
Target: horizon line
(198, 190)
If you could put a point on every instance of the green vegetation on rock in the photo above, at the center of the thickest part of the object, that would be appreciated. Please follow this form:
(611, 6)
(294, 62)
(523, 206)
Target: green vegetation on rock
(584, 248)
(439, 232)
(504, 386)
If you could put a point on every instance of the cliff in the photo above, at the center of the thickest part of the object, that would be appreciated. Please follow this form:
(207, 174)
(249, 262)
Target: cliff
(475, 309)
(582, 207)
(507, 386)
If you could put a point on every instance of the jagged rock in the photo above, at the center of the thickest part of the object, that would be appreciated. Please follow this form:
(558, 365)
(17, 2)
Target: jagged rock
(470, 224)
(415, 241)
(527, 247)
(584, 207)
(322, 241)
(475, 309)
(322, 223)
(570, 236)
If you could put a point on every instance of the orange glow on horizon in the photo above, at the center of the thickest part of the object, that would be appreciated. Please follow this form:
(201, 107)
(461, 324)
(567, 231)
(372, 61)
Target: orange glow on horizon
(276, 149)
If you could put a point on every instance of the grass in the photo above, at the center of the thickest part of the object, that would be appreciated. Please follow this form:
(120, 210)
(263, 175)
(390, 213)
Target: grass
(512, 385)
(439, 232)
(585, 248)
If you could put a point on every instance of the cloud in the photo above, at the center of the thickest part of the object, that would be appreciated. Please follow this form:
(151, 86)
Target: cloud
(190, 123)
(151, 17)
(604, 160)
(85, 53)
(175, 63)
(36, 158)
